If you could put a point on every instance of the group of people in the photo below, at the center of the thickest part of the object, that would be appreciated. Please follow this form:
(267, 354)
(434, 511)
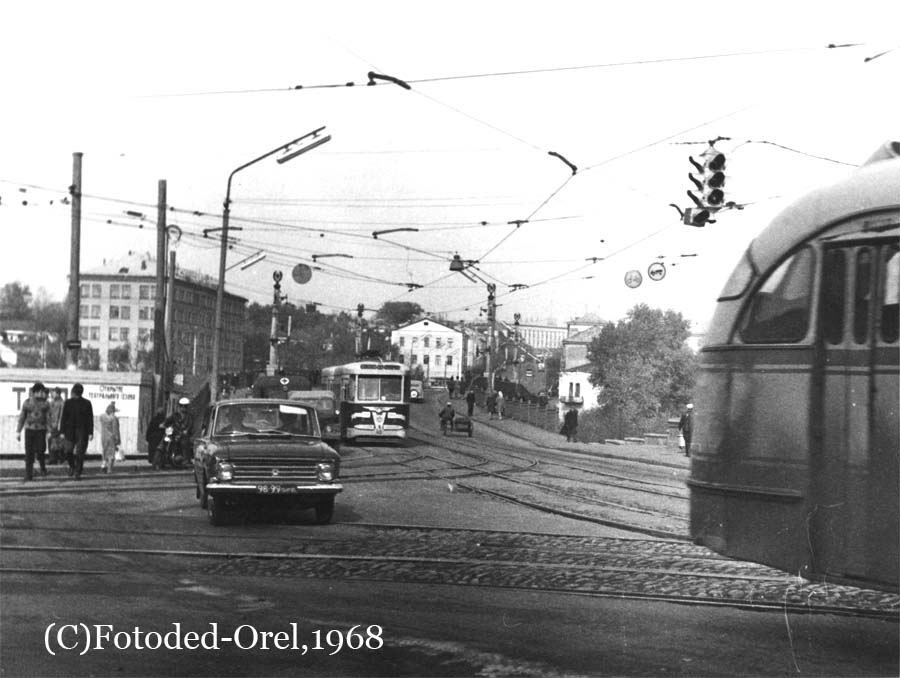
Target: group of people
(46, 423)
(66, 427)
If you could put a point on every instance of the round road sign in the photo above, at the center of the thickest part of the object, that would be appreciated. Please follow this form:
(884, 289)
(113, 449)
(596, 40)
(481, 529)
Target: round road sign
(656, 271)
(301, 274)
(633, 279)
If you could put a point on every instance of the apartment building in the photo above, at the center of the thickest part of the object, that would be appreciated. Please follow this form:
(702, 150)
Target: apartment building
(437, 348)
(116, 319)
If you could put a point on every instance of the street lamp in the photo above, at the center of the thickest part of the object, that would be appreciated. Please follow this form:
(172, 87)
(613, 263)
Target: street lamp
(467, 268)
(290, 153)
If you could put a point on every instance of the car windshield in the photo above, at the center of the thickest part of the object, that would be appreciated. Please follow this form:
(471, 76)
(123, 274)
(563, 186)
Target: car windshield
(246, 419)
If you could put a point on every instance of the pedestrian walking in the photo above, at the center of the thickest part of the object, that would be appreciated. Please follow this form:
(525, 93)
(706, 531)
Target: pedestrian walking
(109, 438)
(55, 446)
(570, 425)
(77, 426)
(686, 428)
(491, 402)
(470, 402)
(500, 404)
(34, 418)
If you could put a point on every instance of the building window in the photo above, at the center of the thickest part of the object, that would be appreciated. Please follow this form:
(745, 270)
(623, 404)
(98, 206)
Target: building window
(114, 312)
(83, 310)
(413, 359)
(95, 291)
(125, 312)
(449, 361)
(95, 311)
(113, 333)
(126, 291)
(85, 291)
(95, 333)
(426, 342)
(402, 341)
(114, 291)
(145, 313)
(83, 332)
(449, 342)
(123, 334)
(437, 361)
(437, 342)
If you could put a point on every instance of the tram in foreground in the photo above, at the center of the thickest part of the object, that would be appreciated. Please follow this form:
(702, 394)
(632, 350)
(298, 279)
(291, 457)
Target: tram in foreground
(373, 398)
(795, 455)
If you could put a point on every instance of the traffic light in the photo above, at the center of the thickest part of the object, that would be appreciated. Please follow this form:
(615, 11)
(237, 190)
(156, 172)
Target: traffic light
(711, 180)
(359, 310)
(697, 216)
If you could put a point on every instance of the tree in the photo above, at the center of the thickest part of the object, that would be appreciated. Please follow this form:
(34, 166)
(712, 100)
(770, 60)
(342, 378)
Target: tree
(15, 299)
(399, 313)
(644, 367)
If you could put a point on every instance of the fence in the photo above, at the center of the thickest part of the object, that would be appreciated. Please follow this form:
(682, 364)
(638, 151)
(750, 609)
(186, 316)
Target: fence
(545, 417)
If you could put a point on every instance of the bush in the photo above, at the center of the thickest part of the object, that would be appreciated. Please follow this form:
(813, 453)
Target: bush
(600, 424)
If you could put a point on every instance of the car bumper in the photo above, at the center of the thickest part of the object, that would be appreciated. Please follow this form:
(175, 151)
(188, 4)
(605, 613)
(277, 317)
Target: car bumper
(263, 489)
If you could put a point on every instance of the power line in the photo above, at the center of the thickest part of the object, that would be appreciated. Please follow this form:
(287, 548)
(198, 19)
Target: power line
(504, 74)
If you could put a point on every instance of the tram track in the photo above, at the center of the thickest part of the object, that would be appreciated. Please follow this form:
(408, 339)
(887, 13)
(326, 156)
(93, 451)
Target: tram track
(583, 504)
(594, 567)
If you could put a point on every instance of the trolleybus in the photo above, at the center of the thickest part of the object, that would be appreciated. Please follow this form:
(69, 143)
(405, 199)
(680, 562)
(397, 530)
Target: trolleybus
(795, 456)
(373, 398)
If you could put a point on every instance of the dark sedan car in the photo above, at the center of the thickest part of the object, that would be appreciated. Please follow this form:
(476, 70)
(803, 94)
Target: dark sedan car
(253, 450)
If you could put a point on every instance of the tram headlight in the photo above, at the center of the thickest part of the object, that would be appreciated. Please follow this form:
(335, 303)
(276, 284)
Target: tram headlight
(325, 471)
(224, 471)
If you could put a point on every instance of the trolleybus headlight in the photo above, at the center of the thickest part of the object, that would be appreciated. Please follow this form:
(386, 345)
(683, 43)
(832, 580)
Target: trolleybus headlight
(224, 471)
(325, 471)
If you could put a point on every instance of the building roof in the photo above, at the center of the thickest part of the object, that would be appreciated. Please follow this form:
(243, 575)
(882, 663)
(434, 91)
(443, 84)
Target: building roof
(427, 324)
(584, 336)
(142, 265)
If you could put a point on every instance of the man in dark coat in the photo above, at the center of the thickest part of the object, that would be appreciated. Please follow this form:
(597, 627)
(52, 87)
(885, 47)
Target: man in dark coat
(470, 402)
(155, 433)
(77, 426)
(570, 425)
(686, 426)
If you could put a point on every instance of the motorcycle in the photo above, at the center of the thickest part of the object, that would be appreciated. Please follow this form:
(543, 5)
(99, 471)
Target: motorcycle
(170, 451)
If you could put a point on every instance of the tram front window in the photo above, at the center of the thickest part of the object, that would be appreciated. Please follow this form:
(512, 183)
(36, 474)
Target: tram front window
(380, 388)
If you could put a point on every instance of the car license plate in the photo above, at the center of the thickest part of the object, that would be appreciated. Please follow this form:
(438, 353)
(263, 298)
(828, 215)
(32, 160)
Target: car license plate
(275, 489)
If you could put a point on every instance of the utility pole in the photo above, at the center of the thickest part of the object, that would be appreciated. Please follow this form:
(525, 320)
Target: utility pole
(360, 308)
(273, 334)
(170, 317)
(492, 337)
(159, 307)
(73, 342)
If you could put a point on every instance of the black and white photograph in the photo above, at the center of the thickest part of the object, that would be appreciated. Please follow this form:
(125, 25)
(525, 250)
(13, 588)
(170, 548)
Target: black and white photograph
(449, 339)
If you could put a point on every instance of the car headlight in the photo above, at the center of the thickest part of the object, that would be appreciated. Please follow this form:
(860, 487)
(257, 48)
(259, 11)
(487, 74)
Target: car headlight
(224, 471)
(325, 471)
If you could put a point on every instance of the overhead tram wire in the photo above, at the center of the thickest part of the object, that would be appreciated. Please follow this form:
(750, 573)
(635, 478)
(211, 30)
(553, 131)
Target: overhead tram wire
(504, 74)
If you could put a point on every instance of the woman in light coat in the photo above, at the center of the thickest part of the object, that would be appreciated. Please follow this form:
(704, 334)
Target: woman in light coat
(109, 437)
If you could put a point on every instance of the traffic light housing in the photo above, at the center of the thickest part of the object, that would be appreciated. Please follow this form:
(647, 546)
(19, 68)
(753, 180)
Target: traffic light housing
(359, 310)
(711, 180)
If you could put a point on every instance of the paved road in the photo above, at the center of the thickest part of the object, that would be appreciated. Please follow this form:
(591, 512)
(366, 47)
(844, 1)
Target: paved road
(458, 626)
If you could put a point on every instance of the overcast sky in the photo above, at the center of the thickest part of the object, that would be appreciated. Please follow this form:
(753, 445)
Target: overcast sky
(189, 91)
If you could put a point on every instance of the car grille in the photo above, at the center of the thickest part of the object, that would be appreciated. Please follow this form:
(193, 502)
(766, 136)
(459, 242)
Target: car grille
(273, 470)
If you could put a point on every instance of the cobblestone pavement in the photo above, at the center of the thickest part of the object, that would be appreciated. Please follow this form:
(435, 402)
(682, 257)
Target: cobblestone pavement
(590, 565)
